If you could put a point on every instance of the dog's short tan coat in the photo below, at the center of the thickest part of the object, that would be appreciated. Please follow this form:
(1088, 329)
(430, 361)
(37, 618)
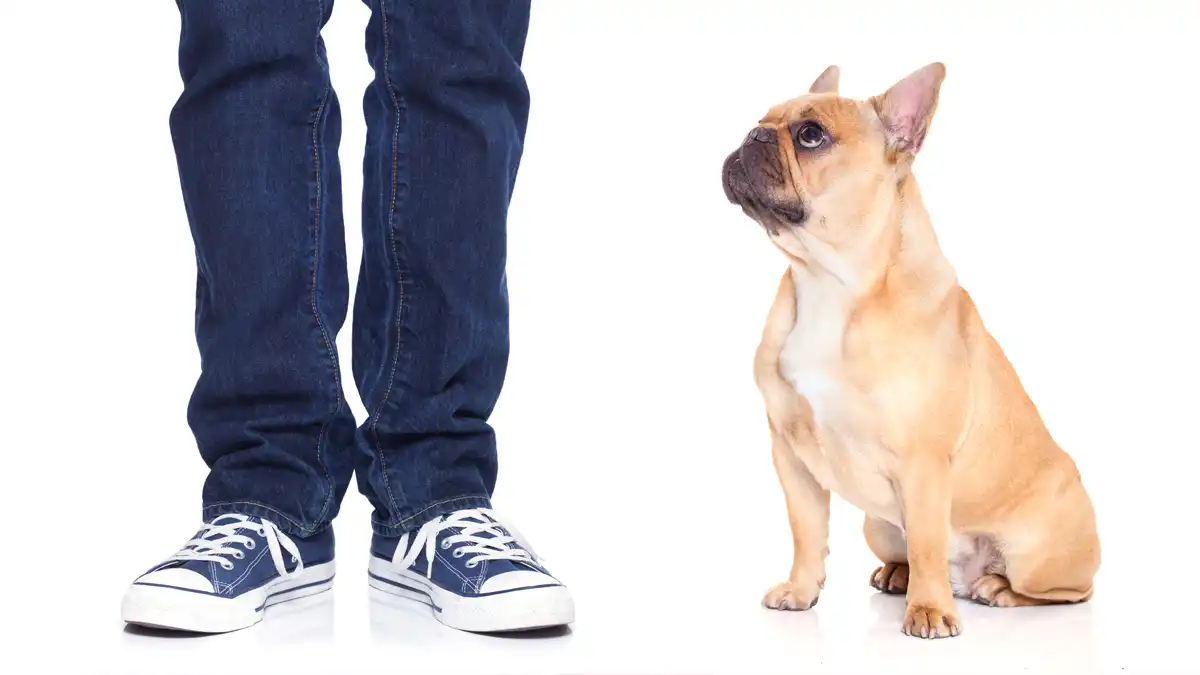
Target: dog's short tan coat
(882, 384)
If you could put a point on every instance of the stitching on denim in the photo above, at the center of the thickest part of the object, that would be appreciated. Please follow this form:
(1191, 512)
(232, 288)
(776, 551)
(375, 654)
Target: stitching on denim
(322, 435)
(387, 78)
(406, 521)
(264, 507)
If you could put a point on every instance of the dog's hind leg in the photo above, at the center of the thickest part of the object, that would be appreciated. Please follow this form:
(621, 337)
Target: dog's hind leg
(1051, 567)
(1032, 578)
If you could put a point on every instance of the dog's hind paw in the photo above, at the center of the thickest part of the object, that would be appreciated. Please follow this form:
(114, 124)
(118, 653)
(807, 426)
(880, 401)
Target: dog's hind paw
(891, 578)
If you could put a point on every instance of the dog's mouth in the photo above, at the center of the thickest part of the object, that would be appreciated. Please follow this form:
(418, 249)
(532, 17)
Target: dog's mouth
(742, 191)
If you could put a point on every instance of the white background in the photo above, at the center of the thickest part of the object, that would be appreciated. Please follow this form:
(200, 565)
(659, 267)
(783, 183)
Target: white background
(1061, 175)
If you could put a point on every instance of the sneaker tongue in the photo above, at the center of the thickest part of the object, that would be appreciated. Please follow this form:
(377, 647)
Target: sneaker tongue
(480, 520)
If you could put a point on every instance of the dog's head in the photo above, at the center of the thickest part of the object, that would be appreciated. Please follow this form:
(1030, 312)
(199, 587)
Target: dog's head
(819, 170)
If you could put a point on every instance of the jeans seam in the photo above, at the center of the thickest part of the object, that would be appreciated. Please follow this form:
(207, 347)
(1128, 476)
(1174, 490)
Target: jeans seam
(405, 521)
(395, 182)
(259, 505)
(322, 435)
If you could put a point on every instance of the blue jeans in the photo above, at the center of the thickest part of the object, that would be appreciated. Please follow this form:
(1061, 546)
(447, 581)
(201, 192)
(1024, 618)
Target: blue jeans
(256, 133)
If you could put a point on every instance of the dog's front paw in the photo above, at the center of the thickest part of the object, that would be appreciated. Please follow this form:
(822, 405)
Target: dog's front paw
(925, 621)
(790, 596)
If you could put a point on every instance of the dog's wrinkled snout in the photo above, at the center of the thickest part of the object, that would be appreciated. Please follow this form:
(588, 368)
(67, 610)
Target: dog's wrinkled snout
(748, 159)
(733, 178)
(755, 178)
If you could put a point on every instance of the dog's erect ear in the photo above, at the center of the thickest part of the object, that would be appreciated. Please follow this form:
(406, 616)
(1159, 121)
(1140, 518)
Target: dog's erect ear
(827, 82)
(907, 108)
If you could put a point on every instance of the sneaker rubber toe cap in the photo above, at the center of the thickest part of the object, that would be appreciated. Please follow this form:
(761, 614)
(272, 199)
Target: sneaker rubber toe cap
(511, 581)
(177, 577)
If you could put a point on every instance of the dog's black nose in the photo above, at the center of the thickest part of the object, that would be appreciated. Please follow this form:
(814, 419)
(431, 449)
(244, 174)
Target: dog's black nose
(761, 135)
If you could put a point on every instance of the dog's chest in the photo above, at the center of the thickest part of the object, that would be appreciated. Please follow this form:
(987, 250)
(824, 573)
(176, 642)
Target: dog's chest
(849, 458)
(813, 360)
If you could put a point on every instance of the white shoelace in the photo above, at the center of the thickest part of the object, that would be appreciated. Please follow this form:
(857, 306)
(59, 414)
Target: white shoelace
(215, 541)
(473, 524)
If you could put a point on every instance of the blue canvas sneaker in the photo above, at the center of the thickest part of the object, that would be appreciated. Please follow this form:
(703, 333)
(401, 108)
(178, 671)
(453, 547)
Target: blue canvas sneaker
(223, 579)
(475, 573)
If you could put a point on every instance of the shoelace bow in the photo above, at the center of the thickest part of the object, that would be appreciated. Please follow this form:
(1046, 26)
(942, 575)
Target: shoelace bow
(215, 543)
(481, 533)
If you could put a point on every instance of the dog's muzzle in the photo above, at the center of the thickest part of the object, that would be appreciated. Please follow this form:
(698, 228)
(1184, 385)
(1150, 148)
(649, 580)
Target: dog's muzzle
(753, 176)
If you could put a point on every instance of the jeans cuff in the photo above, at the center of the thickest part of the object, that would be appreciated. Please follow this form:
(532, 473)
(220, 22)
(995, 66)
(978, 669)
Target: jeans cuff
(416, 519)
(284, 522)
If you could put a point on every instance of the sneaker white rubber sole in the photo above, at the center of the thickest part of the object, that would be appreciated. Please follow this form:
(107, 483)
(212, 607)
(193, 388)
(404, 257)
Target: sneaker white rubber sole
(504, 612)
(177, 609)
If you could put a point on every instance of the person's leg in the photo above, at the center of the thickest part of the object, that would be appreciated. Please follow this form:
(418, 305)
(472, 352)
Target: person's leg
(446, 119)
(256, 131)
(256, 134)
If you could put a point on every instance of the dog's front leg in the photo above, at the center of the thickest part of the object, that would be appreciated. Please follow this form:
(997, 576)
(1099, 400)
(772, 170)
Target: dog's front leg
(808, 515)
(925, 494)
(807, 501)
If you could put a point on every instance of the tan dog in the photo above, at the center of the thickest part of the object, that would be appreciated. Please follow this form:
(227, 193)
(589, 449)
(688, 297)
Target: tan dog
(881, 382)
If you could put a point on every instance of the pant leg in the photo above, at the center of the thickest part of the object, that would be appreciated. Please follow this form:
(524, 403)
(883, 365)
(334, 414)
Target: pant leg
(256, 132)
(446, 118)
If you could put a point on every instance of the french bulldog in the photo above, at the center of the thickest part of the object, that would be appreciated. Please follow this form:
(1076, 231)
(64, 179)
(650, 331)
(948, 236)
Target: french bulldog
(881, 383)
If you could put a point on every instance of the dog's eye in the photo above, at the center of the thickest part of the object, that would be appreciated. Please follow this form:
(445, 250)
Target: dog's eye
(810, 135)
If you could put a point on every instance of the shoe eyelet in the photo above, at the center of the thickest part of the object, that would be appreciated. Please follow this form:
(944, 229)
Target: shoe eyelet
(227, 566)
(458, 553)
(250, 545)
(471, 564)
(445, 545)
(238, 555)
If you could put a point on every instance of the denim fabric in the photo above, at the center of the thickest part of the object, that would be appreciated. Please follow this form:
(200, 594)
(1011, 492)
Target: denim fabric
(256, 133)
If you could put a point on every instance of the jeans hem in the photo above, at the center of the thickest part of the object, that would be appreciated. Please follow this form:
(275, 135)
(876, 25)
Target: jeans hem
(400, 526)
(285, 523)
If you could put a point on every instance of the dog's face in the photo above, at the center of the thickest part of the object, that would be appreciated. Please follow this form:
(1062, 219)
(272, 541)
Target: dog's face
(817, 168)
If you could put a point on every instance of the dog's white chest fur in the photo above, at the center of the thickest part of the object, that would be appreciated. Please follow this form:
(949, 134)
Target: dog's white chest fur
(812, 357)
(849, 458)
